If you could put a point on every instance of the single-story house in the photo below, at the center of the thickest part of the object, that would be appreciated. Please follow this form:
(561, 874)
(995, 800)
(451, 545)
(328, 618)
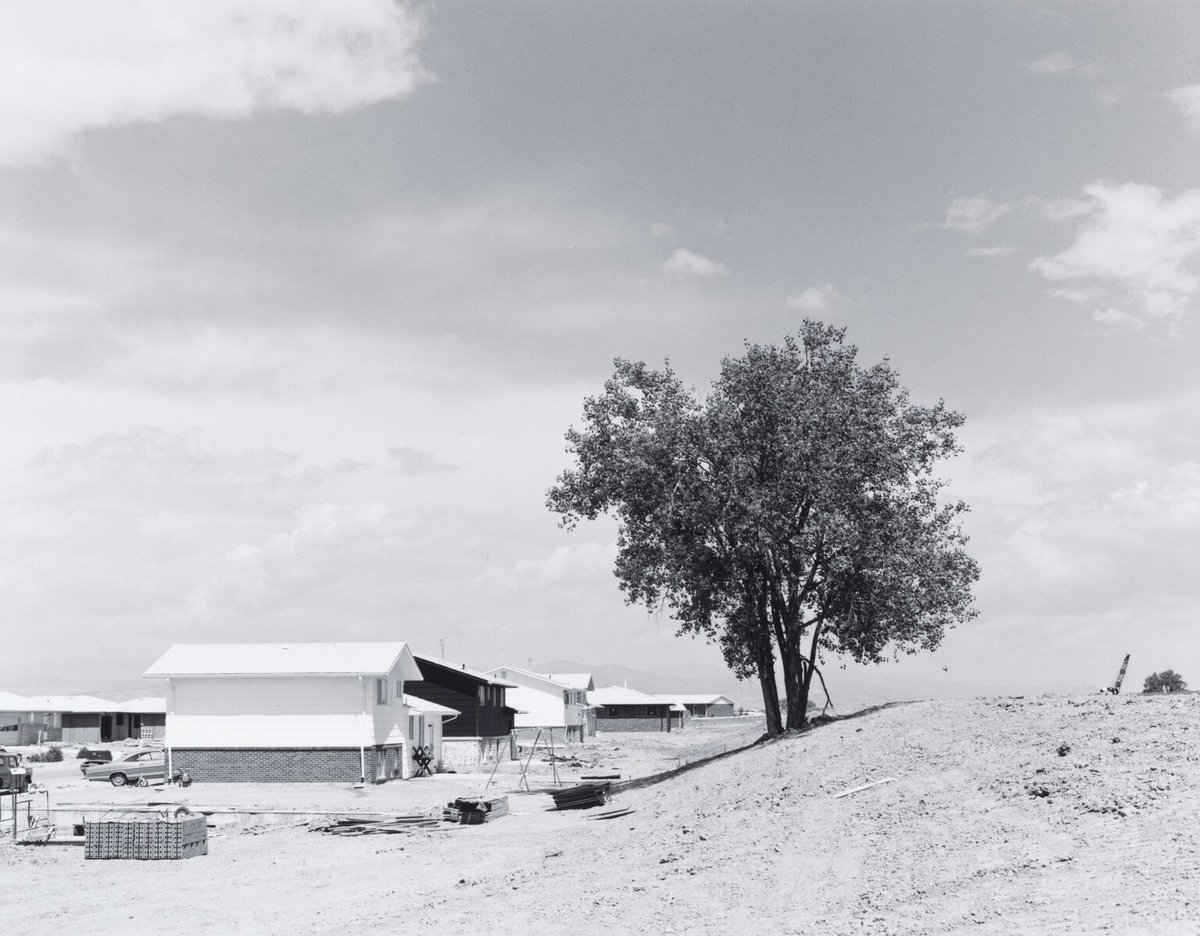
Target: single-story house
(295, 712)
(482, 730)
(545, 702)
(704, 706)
(619, 708)
(77, 719)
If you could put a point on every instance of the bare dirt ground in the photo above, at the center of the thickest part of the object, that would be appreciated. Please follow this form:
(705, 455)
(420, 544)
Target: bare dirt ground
(1044, 815)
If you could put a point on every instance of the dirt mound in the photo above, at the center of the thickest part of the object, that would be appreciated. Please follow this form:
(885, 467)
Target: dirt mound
(1040, 815)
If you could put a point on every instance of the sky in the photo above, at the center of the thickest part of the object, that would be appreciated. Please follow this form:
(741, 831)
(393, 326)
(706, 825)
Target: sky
(298, 299)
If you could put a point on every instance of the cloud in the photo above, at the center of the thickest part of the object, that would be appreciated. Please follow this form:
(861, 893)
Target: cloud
(72, 67)
(1061, 62)
(974, 213)
(660, 229)
(415, 461)
(577, 566)
(815, 298)
(1136, 251)
(1119, 318)
(685, 263)
(1187, 99)
(328, 544)
(989, 251)
(1093, 511)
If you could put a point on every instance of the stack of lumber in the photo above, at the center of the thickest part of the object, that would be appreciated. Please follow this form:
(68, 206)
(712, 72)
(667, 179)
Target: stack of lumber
(583, 796)
(475, 811)
(375, 825)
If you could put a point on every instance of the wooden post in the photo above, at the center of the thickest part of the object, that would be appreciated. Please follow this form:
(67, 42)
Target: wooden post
(553, 761)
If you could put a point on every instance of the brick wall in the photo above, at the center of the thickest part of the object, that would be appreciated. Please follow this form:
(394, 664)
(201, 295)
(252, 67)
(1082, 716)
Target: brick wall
(273, 765)
(630, 724)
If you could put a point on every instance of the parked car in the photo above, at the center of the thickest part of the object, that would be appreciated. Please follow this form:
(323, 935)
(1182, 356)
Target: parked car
(92, 756)
(14, 775)
(138, 768)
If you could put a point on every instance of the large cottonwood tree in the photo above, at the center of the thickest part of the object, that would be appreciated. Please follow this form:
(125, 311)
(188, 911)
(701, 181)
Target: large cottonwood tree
(792, 511)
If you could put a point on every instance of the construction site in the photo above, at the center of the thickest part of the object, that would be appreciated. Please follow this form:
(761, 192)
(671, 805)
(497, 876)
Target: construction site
(1045, 814)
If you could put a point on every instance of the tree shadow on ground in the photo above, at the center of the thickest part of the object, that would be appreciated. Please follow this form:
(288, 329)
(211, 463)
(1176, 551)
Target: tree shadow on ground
(819, 722)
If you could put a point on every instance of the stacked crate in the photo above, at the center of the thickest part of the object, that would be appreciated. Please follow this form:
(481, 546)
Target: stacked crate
(146, 837)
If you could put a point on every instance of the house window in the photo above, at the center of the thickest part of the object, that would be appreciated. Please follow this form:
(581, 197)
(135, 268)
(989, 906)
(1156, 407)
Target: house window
(381, 691)
(613, 712)
(482, 694)
(399, 688)
(651, 711)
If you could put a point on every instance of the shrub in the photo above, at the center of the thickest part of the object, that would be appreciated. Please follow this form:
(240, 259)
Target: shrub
(1166, 681)
(51, 753)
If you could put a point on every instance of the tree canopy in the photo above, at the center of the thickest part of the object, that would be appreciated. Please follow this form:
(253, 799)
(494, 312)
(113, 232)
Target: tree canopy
(790, 512)
(1166, 681)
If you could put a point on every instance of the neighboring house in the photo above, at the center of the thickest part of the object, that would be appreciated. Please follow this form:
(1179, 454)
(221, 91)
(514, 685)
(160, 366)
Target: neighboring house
(77, 719)
(704, 706)
(482, 730)
(295, 712)
(583, 683)
(621, 709)
(545, 702)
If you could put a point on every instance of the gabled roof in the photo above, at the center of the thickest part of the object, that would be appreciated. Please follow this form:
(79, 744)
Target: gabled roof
(692, 699)
(620, 695)
(574, 680)
(287, 659)
(552, 684)
(465, 670)
(11, 703)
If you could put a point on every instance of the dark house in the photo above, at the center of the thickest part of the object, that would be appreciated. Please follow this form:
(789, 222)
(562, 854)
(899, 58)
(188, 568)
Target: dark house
(482, 730)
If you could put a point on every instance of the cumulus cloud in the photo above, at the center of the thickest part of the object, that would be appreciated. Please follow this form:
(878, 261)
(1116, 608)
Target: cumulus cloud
(974, 213)
(71, 67)
(685, 263)
(989, 251)
(1136, 251)
(1061, 62)
(815, 298)
(1187, 99)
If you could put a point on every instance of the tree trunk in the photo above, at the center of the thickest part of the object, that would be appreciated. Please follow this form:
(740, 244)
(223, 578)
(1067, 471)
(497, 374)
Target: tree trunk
(770, 691)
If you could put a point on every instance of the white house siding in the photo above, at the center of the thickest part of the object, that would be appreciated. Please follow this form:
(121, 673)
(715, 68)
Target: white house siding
(535, 708)
(389, 721)
(274, 711)
(546, 703)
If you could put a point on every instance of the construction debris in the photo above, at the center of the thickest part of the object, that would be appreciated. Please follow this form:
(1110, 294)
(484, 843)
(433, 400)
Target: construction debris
(374, 825)
(475, 811)
(865, 786)
(613, 813)
(584, 796)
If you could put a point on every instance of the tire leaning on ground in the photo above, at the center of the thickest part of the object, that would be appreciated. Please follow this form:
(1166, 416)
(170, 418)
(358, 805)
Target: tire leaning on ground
(118, 779)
